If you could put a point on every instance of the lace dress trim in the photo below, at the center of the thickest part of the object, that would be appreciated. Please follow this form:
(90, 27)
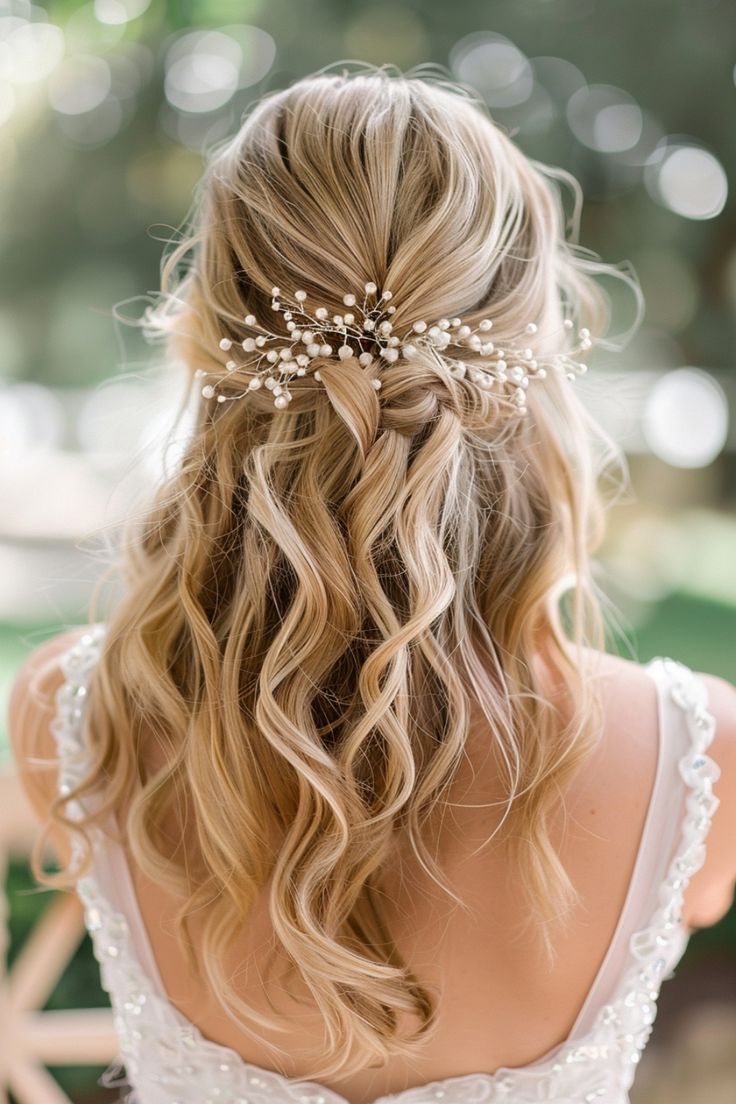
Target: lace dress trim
(165, 1053)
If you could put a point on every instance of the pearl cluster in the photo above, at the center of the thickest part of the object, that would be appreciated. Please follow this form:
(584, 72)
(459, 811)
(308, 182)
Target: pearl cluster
(365, 331)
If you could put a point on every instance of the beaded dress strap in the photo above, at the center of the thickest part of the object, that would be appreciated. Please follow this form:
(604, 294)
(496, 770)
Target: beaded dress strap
(67, 725)
(631, 1013)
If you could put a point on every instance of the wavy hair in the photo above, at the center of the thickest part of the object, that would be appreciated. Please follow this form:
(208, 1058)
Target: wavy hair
(318, 601)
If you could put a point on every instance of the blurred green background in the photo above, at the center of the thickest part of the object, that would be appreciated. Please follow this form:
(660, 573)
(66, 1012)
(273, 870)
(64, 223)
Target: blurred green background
(106, 111)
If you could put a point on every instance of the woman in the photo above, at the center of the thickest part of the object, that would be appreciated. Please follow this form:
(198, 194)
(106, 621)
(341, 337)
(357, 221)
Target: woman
(355, 808)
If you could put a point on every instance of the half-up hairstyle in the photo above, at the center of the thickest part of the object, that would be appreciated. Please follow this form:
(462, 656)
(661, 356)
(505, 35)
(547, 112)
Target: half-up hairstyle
(318, 600)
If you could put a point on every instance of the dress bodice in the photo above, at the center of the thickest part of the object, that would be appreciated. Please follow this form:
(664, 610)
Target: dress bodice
(164, 1059)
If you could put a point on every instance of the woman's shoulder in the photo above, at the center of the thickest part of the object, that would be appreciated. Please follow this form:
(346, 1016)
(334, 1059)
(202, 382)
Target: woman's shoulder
(31, 709)
(630, 702)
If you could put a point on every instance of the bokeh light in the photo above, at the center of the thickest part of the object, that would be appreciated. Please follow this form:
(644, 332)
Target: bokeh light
(605, 118)
(686, 418)
(495, 66)
(31, 418)
(205, 68)
(79, 84)
(119, 11)
(687, 179)
(28, 51)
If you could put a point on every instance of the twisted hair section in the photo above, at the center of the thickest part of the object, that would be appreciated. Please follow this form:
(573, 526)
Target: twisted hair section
(317, 603)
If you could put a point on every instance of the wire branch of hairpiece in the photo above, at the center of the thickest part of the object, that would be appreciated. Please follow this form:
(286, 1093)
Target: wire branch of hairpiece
(367, 333)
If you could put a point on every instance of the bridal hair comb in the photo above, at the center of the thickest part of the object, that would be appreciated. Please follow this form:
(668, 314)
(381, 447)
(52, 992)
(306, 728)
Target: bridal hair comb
(366, 332)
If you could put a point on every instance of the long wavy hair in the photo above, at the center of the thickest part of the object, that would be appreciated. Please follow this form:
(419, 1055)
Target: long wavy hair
(317, 601)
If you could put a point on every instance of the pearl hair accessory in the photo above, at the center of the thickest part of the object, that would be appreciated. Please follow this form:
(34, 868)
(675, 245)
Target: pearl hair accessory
(366, 332)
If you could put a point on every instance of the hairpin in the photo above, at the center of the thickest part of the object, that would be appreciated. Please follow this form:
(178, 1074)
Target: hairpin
(366, 332)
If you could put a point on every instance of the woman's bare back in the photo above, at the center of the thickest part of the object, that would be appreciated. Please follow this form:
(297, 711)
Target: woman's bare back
(500, 1002)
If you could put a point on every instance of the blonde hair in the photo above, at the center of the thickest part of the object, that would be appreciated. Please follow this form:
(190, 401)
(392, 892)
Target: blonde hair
(315, 597)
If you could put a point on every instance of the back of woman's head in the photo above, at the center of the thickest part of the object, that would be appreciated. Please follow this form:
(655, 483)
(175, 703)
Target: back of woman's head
(321, 598)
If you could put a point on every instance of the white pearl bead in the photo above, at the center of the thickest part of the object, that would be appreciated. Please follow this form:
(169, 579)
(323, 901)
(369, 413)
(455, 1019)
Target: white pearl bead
(325, 350)
(318, 376)
(419, 327)
(464, 331)
(370, 287)
(250, 320)
(300, 296)
(249, 344)
(338, 319)
(277, 390)
(275, 291)
(321, 313)
(567, 323)
(485, 324)
(531, 328)
(208, 390)
(261, 340)
(225, 343)
(387, 295)
(269, 382)
(313, 349)
(376, 384)
(231, 366)
(541, 373)
(255, 383)
(285, 353)
(369, 324)
(365, 359)
(272, 355)
(221, 398)
(344, 352)
(281, 401)
(307, 337)
(390, 355)
(349, 300)
(409, 351)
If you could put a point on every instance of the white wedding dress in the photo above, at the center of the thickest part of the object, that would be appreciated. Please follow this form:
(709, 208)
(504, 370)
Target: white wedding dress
(164, 1059)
